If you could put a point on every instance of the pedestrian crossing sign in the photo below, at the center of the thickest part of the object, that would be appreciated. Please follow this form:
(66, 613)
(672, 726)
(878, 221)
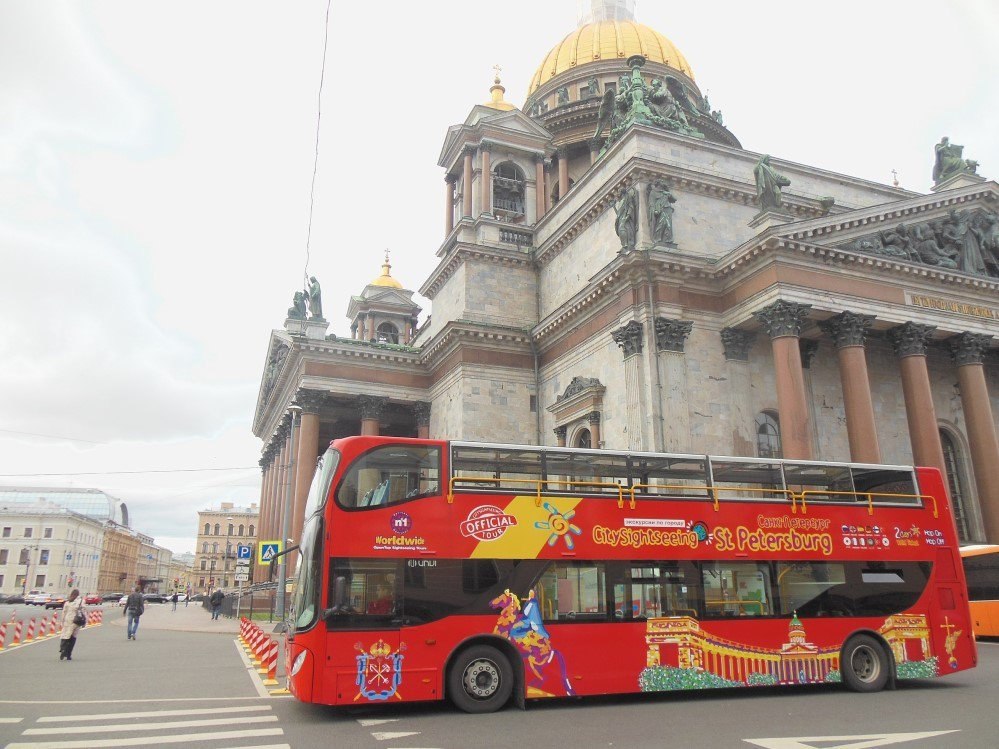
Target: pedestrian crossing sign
(267, 550)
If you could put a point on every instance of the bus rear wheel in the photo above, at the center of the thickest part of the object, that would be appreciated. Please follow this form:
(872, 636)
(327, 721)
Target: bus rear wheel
(864, 664)
(480, 680)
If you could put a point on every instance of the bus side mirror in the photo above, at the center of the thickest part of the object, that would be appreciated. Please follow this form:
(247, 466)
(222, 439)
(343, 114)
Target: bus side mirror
(339, 598)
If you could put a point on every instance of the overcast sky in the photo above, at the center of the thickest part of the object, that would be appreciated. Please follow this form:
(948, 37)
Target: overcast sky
(156, 161)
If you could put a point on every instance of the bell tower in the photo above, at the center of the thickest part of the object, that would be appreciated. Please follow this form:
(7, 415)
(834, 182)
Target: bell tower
(384, 312)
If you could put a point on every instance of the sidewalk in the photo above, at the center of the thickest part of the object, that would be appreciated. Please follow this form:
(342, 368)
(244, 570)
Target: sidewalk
(193, 618)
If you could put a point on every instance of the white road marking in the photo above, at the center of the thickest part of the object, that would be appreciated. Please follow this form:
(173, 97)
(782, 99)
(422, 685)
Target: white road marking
(263, 746)
(150, 726)
(866, 741)
(152, 714)
(11, 720)
(387, 735)
(251, 671)
(182, 738)
(376, 722)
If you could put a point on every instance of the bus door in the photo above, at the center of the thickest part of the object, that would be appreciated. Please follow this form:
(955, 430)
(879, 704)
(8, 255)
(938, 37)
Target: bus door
(363, 649)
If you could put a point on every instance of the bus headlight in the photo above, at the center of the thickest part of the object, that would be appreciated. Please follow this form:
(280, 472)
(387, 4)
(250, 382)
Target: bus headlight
(299, 662)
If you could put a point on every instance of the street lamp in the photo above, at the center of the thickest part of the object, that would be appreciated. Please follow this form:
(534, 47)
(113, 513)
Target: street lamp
(295, 410)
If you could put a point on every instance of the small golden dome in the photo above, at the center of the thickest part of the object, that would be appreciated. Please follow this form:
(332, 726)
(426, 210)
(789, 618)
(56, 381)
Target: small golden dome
(608, 40)
(385, 279)
(497, 91)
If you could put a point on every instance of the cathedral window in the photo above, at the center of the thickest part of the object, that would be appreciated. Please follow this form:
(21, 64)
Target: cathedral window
(583, 439)
(768, 435)
(388, 333)
(957, 483)
(508, 190)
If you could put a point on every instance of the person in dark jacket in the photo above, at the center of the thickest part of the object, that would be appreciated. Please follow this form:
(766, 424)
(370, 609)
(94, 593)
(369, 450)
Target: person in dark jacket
(215, 599)
(135, 606)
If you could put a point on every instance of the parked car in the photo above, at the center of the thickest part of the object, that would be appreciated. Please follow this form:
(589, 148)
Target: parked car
(37, 598)
(92, 599)
(154, 598)
(110, 597)
(122, 600)
(55, 602)
(15, 598)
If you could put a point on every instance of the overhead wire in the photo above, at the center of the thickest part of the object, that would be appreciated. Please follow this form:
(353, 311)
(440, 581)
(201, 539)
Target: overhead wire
(315, 163)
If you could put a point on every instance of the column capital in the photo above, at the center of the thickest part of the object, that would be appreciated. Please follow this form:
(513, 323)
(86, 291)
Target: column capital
(539, 158)
(783, 318)
(736, 343)
(468, 150)
(807, 348)
(968, 348)
(283, 430)
(847, 328)
(629, 338)
(451, 179)
(910, 339)
(371, 406)
(560, 433)
(562, 152)
(264, 463)
(421, 412)
(593, 417)
(310, 400)
(671, 335)
(486, 146)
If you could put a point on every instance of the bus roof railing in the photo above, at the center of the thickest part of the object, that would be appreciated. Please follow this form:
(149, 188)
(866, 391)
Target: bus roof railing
(921, 498)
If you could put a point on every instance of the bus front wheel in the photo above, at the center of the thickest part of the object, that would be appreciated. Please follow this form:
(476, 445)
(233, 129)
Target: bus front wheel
(480, 680)
(864, 664)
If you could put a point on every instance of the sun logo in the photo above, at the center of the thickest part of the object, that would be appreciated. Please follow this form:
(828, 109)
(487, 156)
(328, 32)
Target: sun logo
(559, 526)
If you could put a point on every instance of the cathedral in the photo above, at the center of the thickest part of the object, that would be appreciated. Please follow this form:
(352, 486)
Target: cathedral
(616, 271)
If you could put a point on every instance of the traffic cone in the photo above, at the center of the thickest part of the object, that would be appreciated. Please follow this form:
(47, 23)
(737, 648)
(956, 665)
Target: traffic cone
(17, 633)
(3, 634)
(31, 631)
(272, 658)
(52, 625)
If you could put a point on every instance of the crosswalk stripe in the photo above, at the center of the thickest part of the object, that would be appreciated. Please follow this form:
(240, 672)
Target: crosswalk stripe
(386, 735)
(376, 722)
(11, 720)
(149, 726)
(263, 746)
(181, 738)
(152, 714)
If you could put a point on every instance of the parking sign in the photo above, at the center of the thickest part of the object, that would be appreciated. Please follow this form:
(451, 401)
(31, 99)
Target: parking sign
(244, 551)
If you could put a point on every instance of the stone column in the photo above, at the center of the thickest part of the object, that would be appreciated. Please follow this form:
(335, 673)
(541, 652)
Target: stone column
(560, 433)
(539, 182)
(466, 186)
(736, 344)
(783, 321)
(448, 205)
(548, 187)
(371, 328)
(848, 331)
(563, 172)
(371, 411)
(594, 420)
(968, 351)
(910, 341)
(362, 326)
(671, 335)
(629, 338)
(264, 507)
(485, 191)
(281, 487)
(594, 150)
(307, 452)
(421, 413)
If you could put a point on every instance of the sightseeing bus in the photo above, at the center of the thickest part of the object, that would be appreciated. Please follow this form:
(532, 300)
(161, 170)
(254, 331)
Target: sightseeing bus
(981, 568)
(487, 573)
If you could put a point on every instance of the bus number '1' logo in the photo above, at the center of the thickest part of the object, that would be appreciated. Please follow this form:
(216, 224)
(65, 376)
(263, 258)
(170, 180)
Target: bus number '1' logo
(486, 523)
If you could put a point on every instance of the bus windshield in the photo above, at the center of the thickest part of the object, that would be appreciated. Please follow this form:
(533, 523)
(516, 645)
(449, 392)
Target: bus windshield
(305, 604)
(325, 467)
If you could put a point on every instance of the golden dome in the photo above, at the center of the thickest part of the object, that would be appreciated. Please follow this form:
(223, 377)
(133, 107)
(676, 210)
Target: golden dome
(497, 91)
(385, 279)
(600, 41)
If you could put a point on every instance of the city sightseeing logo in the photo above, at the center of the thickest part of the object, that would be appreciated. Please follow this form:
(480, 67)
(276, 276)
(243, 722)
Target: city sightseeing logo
(486, 523)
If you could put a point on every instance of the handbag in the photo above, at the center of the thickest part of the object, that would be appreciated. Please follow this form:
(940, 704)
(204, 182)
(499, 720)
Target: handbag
(80, 620)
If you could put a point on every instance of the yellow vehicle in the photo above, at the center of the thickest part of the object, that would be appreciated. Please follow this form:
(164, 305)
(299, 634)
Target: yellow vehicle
(981, 568)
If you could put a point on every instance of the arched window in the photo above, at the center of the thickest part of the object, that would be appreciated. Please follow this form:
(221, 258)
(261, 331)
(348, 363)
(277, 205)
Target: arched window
(241, 529)
(583, 439)
(217, 529)
(508, 189)
(387, 333)
(215, 548)
(768, 435)
(208, 529)
(204, 548)
(251, 530)
(957, 483)
(231, 529)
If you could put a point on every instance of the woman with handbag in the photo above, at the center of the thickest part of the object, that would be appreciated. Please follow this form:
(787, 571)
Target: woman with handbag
(73, 619)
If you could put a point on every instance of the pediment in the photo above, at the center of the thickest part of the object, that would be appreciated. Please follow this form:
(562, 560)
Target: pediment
(382, 295)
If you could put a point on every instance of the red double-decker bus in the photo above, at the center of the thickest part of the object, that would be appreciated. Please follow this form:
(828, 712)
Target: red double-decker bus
(488, 573)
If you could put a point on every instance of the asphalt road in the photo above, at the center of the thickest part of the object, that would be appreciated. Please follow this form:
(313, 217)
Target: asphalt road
(175, 687)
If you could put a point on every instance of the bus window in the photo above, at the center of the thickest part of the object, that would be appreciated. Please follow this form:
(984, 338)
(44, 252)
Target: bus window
(573, 591)
(804, 588)
(585, 472)
(747, 479)
(888, 485)
(369, 593)
(390, 474)
(823, 483)
(672, 476)
(737, 589)
(646, 590)
(500, 467)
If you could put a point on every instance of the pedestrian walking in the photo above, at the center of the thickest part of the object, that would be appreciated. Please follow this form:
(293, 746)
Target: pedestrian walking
(73, 617)
(215, 600)
(135, 606)
(174, 599)
(187, 597)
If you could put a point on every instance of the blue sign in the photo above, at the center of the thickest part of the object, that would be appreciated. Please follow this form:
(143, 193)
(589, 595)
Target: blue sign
(244, 552)
(267, 550)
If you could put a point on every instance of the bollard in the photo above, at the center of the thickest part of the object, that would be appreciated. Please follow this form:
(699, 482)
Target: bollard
(31, 631)
(258, 637)
(52, 625)
(272, 659)
(17, 633)
(100, 616)
(3, 634)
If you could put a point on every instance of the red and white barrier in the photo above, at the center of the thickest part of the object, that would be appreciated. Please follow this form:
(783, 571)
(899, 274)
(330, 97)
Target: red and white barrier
(31, 631)
(272, 659)
(17, 633)
(3, 634)
(52, 625)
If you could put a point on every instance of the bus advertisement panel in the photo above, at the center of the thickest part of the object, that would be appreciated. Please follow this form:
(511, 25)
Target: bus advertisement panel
(490, 573)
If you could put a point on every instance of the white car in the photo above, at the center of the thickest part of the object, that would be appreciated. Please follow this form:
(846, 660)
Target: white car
(37, 598)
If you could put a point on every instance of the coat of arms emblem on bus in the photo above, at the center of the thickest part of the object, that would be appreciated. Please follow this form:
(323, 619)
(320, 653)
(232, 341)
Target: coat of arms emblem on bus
(379, 671)
(524, 628)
